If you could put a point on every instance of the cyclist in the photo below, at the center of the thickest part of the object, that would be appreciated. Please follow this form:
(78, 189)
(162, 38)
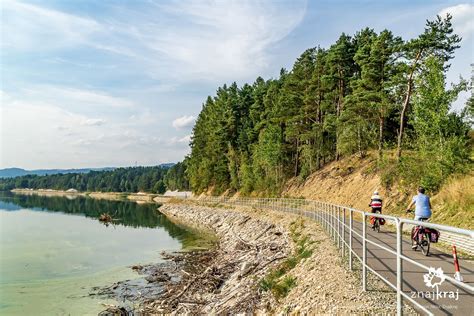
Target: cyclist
(375, 204)
(422, 206)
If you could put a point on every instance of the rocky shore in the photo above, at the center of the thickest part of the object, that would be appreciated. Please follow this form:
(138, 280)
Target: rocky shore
(256, 248)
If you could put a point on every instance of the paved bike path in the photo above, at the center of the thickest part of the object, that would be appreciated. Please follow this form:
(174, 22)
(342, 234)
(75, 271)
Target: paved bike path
(413, 282)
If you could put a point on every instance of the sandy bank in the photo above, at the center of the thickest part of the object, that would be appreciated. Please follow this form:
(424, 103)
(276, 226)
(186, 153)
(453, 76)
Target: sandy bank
(114, 196)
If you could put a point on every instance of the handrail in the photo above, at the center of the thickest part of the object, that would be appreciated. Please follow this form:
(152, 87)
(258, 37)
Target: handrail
(333, 219)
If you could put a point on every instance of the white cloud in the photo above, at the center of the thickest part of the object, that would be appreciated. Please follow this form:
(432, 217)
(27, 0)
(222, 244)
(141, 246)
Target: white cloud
(93, 122)
(26, 27)
(210, 40)
(183, 122)
(66, 97)
(228, 40)
(179, 141)
(463, 18)
(186, 139)
(38, 134)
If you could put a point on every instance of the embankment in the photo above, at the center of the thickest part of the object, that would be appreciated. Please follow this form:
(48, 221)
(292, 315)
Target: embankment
(352, 180)
(265, 262)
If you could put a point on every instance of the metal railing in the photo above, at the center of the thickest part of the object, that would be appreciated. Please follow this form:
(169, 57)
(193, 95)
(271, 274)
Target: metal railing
(338, 221)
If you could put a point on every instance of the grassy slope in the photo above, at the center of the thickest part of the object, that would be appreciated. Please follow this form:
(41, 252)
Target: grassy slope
(352, 180)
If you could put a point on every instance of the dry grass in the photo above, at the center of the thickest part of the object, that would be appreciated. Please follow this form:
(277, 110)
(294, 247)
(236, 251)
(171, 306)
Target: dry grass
(454, 204)
(352, 180)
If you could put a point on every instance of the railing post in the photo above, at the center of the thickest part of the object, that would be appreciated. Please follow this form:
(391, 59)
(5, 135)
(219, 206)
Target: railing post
(364, 253)
(350, 238)
(338, 211)
(333, 223)
(328, 220)
(343, 232)
(323, 215)
(399, 268)
(320, 213)
(323, 206)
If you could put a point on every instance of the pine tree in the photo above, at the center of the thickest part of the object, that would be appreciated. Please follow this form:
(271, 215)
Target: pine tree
(437, 40)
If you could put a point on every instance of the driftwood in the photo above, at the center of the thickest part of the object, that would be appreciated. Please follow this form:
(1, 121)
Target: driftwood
(223, 280)
(105, 217)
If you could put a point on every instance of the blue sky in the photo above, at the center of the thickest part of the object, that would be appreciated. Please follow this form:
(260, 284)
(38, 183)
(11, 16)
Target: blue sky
(114, 83)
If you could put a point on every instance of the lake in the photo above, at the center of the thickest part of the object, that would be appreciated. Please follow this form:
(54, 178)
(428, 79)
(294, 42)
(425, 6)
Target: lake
(53, 250)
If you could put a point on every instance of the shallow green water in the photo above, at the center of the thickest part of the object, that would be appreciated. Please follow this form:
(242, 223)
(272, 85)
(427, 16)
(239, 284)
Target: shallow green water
(53, 250)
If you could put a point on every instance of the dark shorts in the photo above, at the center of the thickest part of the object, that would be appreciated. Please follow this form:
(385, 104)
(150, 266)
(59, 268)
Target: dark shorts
(376, 210)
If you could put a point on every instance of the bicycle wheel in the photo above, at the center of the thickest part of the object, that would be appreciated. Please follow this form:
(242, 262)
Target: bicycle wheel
(425, 244)
(377, 225)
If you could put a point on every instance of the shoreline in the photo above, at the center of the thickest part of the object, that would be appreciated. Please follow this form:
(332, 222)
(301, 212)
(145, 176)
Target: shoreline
(113, 196)
(234, 277)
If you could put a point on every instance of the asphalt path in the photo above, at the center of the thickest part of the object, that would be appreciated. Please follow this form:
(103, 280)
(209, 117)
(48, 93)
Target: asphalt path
(458, 301)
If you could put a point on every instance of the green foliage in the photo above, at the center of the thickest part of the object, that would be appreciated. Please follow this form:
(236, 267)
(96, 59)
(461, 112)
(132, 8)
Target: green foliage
(441, 137)
(277, 281)
(279, 288)
(176, 177)
(133, 179)
(347, 99)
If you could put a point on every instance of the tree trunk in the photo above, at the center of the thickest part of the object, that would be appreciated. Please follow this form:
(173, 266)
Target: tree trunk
(402, 119)
(406, 104)
(296, 157)
(359, 145)
(381, 125)
(339, 106)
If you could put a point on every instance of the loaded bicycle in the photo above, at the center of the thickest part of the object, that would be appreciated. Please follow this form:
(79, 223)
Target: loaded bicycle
(422, 237)
(376, 222)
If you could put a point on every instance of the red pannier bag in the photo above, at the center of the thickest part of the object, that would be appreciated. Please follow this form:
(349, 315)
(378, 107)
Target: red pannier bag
(381, 220)
(434, 235)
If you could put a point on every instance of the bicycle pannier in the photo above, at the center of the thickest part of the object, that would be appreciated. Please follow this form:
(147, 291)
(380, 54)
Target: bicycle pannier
(434, 235)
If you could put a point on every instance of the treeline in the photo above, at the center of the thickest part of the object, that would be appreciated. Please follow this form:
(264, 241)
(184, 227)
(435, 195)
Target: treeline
(134, 179)
(176, 178)
(370, 91)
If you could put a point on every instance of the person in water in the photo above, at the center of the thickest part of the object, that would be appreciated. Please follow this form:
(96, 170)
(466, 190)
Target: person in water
(422, 205)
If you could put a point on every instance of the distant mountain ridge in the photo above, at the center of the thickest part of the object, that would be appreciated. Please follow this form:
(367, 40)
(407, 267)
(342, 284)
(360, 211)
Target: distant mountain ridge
(18, 172)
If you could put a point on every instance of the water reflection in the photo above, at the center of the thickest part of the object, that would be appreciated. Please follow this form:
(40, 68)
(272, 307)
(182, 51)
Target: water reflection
(125, 213)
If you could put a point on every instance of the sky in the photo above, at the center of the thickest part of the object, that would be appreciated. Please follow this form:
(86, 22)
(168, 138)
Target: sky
(119, 83)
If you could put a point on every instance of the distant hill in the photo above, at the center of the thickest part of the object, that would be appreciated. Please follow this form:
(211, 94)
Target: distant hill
(17, 172)
(167, 165)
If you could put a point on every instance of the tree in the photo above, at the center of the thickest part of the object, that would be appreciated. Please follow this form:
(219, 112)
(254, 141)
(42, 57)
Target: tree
(437, 40)
(441, 136)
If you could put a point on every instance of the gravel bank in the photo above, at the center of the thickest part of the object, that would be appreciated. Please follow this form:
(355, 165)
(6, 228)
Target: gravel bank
(255, 242)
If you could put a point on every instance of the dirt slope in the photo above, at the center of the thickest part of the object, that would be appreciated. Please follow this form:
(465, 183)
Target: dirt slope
(351, 181)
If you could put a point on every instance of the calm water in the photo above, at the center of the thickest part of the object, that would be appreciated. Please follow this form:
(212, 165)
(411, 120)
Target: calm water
(53, 250)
